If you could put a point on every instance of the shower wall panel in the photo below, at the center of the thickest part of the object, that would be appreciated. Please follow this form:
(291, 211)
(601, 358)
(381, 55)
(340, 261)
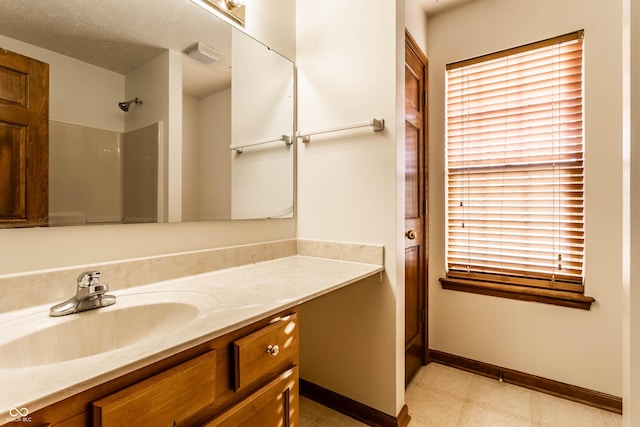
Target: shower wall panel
(140, 174)
(85, 178)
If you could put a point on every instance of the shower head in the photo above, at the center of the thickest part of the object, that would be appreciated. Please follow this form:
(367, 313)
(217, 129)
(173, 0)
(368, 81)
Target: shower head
(124, 106)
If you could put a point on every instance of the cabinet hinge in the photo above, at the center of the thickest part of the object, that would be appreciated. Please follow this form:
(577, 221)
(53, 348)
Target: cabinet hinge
(423, 315)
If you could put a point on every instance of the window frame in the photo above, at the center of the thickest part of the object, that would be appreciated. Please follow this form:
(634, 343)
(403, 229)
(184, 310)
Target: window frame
(568, 293)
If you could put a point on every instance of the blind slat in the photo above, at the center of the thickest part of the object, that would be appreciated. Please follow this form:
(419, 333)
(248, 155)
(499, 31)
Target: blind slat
(515, 169)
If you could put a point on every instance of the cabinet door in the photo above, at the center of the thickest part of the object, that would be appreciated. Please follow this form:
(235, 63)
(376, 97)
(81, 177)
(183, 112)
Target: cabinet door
(273, 405)
(162, 400)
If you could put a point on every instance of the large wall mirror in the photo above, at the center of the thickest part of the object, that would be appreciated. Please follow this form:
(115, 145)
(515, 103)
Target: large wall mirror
(146, 104)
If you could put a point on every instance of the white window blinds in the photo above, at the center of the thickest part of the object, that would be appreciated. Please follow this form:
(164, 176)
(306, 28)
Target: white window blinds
(515, 166)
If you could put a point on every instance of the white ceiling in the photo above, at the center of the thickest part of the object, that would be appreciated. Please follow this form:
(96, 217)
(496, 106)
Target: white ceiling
(120, 35)
(436, 6)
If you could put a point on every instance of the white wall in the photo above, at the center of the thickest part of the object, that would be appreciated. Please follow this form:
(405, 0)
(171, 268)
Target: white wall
(582, 348)
(273, 23)
(416, 23)
(350, 187)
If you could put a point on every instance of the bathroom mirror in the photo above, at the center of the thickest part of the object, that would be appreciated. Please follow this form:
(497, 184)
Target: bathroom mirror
(140, 131)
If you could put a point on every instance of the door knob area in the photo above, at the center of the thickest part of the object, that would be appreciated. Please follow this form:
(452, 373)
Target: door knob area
(411, 235)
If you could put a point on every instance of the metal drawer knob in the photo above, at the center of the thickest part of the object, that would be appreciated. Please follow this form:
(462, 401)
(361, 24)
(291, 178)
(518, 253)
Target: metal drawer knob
(411, 234)
(273, 350)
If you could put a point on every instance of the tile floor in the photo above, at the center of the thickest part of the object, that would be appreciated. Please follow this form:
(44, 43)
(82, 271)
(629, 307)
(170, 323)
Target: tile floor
(440, 396)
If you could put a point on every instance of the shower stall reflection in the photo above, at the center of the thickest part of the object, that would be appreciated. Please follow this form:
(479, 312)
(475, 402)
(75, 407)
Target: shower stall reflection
(102, 177)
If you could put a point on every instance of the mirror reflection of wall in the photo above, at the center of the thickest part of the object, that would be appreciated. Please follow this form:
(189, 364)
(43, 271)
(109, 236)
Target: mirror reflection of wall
(219, 183)
(92, 173)
(260, 184)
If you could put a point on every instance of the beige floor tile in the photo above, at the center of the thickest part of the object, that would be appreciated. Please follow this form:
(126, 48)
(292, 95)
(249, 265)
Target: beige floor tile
(310, 411)
(477, 415)
(313, 414)
(557, 412)
(611, 419)
(503, 397)
(444, 379)
(429, 408)
(440, 396)
(335, 419)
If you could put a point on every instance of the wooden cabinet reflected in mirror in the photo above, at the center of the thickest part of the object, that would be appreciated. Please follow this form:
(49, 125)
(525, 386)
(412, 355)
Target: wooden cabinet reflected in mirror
(24, 149)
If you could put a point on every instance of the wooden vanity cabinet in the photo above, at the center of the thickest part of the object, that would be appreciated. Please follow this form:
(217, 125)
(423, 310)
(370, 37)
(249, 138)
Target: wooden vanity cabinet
(247, 377)
(263, 384)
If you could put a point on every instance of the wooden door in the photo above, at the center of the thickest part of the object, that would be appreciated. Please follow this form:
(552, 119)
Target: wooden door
(24, 140)
(416, 212)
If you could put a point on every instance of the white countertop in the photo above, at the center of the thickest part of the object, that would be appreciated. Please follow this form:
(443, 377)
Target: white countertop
(227, 299)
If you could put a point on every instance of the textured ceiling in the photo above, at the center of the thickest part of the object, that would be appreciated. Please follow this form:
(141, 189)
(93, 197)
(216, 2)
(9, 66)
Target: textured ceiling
(120, 35)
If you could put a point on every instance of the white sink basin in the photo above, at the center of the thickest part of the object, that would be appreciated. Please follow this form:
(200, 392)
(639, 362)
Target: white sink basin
(134, 319)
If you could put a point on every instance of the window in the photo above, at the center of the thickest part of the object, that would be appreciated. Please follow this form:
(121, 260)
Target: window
(515, 209)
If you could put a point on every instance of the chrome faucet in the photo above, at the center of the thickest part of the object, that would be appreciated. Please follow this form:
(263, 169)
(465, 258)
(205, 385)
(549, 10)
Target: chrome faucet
(90, 294)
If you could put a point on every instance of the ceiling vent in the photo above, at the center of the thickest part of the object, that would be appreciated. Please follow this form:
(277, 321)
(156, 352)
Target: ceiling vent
(203, 53)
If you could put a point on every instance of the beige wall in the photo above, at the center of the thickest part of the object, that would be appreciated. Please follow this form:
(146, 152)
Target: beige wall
(350, 189)
(206, 172)
(578, 347)
(631, 230)
(35, 249)
(150, 83)
(215, 159)
(190, 158)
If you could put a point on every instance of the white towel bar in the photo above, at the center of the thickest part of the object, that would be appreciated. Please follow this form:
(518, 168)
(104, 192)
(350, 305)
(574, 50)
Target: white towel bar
(287, 139)
(376, 124)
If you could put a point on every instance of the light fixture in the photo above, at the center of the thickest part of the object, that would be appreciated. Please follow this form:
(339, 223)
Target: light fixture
(202, 53)
(232, 4)
(232, 11)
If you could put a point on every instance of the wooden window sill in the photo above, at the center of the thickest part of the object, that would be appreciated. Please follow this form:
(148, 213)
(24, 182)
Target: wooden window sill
(523, 293)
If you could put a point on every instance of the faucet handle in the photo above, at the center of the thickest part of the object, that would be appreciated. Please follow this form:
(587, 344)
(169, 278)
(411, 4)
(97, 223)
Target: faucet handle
(89, 278)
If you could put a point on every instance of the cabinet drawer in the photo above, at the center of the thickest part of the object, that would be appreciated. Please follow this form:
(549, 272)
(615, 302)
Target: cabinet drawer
(163, 399)
(275, 404)
(266, 352)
